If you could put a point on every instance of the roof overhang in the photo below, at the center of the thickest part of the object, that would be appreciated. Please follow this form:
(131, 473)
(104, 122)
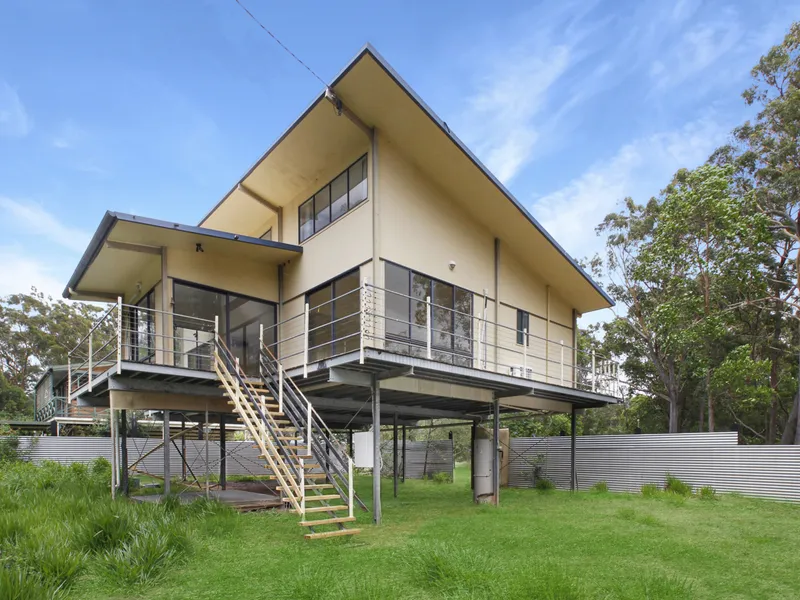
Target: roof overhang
(377, 96)
(125, 245)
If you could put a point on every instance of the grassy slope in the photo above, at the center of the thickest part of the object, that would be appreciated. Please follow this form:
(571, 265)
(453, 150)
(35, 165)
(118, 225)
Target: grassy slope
(435, 543)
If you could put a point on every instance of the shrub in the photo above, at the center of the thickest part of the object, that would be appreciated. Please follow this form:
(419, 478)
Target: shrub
(442, 477)
(676, 486)
(707, 493)
(544, 485)
(650, 490)
(600, 487)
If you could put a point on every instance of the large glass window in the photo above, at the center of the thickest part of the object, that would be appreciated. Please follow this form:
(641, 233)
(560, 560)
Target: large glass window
(407, 313)
(334, 317)
(240, 321)
(346, 191)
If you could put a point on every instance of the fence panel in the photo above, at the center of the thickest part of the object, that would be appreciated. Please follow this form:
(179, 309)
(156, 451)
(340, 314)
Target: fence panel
(626, 462)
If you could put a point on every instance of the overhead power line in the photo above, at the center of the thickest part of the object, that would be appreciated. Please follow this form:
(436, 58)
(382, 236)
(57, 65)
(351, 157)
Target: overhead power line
(281, 44)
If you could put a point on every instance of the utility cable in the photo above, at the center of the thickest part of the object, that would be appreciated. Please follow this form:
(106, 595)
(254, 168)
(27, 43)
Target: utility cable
(281, 44)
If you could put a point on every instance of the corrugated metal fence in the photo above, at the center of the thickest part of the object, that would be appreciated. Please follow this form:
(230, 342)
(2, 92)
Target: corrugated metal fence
(422, 458)
(241, 457)
(626, 462)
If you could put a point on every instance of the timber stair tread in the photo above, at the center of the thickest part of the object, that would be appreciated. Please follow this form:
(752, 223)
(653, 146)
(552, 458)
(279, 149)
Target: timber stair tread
(332, 521)
(333, 508)
(320, 498)
(307, 475)
(313, 486)
(328, 534)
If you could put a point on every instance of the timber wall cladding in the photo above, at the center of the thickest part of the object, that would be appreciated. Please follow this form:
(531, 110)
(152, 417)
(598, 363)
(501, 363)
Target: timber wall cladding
(627, 462)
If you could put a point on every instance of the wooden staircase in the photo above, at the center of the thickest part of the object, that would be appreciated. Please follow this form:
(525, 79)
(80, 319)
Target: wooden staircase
(293, 447)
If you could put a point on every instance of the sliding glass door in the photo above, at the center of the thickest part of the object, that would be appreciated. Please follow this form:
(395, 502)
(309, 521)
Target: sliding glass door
(240, 319)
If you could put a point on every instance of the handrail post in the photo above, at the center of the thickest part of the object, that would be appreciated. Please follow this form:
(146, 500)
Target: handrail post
(216, 334)
(594, 374)
(562, 361)
(350, 484)
(119, 335)
(69, 377)
(302, 488)
(305, 343)
(280, 387)
(428, 333)
(480, 325)
(91, 334)
(525, 352)
(362, 320)
(308, 424)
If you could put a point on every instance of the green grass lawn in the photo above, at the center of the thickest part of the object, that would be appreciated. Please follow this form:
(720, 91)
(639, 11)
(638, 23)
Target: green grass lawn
(434, 543)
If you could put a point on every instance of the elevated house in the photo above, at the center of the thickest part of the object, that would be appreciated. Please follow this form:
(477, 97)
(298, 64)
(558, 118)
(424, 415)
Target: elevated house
(366, 270)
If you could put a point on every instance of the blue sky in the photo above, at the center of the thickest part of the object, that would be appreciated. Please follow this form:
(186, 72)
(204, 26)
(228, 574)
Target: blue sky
(157, 108)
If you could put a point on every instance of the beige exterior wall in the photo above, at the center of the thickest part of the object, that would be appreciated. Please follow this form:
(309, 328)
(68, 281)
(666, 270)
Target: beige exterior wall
(248, 278)
(423, 229)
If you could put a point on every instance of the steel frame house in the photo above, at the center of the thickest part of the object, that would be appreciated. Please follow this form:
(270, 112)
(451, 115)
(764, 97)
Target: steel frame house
(367, 263)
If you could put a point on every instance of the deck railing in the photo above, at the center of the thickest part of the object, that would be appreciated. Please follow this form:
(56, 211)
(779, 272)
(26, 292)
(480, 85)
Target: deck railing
(366, 317)
(128, 333)
(463, 336)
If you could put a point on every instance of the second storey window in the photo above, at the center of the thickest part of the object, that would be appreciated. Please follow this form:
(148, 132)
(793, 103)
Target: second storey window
(406, 316)
(345, 192)
(523, 325)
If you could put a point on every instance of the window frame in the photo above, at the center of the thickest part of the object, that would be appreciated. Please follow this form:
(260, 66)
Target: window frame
(452, 350)
(227, 294)
(331, 283)
(523, 323)
(329, 187)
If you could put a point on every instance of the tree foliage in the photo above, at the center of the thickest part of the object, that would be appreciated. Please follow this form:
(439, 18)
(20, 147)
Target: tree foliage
(706, 275)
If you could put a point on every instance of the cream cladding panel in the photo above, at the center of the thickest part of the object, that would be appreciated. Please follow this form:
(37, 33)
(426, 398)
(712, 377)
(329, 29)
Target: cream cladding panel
(424, 230)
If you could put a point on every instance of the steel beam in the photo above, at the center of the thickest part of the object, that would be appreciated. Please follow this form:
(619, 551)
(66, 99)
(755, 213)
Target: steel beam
(394, 373)
(417, 412)
(128, 247)
(137, 384)
(350, 377)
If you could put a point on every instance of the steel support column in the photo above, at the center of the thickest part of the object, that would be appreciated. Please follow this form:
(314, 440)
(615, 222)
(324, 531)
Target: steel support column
(223, 465)
(472, 454)
(167, 444)
(123, 466)
(403, 471)
(376, 451)
(183, 447)
(496, 454)
(572, 478)
(394, 455)
(350, 441)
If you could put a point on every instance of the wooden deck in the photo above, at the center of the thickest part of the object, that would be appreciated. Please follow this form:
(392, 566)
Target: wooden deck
(241, 500)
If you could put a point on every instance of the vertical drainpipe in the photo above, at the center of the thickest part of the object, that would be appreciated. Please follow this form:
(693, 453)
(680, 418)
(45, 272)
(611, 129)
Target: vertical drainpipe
(376, 214)
(574, 348)
(164, 309)
(496, 297)
(547, 337)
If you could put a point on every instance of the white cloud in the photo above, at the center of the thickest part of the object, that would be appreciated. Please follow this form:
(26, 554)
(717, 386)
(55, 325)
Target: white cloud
(526, 81)
(14, 119)
(640, 169)
(19, 272)
(69, 135)
(36, 220)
